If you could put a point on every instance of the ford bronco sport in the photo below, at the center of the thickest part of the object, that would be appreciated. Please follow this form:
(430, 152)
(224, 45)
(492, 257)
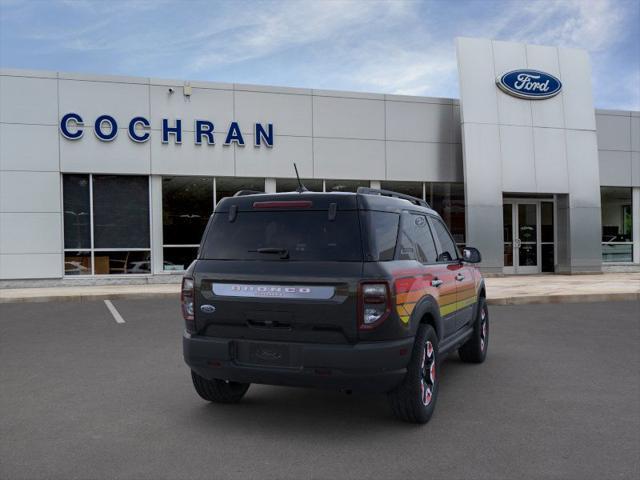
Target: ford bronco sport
(357, 291)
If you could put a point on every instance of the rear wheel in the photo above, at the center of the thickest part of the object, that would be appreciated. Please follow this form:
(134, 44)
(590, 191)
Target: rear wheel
(475, 349)
(415, 399)
(219, 391)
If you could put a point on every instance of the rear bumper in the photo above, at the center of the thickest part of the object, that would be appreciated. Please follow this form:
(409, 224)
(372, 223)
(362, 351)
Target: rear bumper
(369, 367)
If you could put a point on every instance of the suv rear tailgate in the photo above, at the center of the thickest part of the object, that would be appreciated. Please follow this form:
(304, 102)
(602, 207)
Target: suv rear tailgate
(276, 300)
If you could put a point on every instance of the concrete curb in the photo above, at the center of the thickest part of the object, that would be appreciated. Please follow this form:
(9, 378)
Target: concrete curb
(508, 300)
(565, 298)
(90, 297)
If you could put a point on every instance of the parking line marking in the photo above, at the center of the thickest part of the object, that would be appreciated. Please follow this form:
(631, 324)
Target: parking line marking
(116, 315)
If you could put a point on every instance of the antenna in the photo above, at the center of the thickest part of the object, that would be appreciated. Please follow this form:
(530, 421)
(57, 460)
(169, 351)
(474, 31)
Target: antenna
(301, 188)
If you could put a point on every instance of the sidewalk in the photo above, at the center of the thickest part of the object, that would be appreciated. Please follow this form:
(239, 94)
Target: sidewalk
(512, 290)
(523, 289)
(89, 293)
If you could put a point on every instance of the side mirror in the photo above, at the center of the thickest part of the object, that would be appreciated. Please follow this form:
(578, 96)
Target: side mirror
(471, 255)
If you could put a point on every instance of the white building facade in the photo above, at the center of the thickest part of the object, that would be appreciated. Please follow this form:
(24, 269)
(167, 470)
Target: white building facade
(112, 179)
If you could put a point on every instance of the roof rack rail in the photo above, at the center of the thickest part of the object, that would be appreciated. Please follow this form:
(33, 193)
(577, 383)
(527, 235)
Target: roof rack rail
(242, 193)
(391, 193)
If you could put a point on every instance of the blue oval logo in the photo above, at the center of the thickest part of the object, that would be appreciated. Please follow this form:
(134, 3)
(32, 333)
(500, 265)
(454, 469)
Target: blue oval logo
(529, 84)
(207, 308)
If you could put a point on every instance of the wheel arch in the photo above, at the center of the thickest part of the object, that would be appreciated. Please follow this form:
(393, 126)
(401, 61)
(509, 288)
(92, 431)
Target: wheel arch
(482, 290)
(482, 294)
(427, 311)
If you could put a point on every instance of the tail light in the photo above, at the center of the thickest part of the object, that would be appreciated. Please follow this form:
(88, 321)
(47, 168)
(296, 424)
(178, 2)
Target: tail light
(186, 299)
(374, 304)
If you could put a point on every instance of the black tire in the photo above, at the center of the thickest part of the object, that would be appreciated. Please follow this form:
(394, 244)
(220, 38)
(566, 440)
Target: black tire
(414, 400)
(219, 391)
(475, 349)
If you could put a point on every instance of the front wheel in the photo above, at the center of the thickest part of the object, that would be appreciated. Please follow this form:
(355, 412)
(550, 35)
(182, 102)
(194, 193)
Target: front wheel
(415, 399)
(219, 391)
(475, 349)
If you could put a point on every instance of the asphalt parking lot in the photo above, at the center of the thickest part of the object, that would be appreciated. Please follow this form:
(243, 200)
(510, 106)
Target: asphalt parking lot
(83, 396)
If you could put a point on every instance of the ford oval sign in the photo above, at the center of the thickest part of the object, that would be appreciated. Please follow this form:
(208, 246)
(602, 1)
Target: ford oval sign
(529, 84)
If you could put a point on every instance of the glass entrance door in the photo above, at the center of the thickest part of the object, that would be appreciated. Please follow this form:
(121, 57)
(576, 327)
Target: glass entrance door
(528, 236)
(526, 240)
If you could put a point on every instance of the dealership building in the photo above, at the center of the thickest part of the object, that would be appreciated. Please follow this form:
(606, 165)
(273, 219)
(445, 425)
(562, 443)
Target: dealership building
(112, 179)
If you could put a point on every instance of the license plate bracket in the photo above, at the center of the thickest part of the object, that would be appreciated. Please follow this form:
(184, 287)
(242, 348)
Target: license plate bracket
(267, 354)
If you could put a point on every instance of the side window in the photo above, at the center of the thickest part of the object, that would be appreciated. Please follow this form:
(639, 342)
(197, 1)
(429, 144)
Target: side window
(406, 249)
(425, 246)
(448, 252)
(416, 242)
(383, 228)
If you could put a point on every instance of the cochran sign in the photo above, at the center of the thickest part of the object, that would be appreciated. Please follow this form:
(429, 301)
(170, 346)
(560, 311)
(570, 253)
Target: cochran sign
(529, 84)
(105, 128)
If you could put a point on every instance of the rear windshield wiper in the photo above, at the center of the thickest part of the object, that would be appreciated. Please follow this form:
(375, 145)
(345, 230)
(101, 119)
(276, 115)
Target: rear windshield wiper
(283, 252)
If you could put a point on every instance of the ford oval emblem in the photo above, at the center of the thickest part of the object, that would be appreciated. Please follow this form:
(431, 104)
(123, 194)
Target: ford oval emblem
(529, 84)
(207, 308)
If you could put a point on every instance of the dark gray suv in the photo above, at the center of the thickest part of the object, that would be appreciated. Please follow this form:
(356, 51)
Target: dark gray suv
(361, 291)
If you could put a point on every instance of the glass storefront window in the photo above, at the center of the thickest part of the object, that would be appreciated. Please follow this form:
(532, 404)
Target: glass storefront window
(107, 217)
(345, 185)
(547, 234)
(415, 189)
(77, 263)
(77, 214)
(448, 200)
(122, 262)
(187, 204)
(106, 224)
(177, 259)
(507, 228)
(291, 184)
(617, 224)
(228, 186)
(120, 211)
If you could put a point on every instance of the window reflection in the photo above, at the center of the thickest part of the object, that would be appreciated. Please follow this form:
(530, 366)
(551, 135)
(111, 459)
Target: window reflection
(415, 189)
(617, 224)
(291, 184)
(228, 186)
(77, 217)
(448, 200)
(345, 185)
(119, 213)
(187, 204)
(122, 262)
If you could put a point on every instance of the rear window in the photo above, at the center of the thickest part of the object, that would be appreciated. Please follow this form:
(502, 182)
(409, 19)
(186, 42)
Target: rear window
(304, 235)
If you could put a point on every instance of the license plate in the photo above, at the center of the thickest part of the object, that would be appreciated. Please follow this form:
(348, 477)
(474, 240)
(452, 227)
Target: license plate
(269, 354)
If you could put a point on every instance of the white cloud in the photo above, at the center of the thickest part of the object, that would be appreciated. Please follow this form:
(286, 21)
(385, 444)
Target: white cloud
(419, 58)
(407, 72)
(590, 24)
(401, 47)
(374, 46)
(292, 25)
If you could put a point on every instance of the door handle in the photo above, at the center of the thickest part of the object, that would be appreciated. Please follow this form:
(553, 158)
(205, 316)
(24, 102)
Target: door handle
(459, 277)
(436, 282)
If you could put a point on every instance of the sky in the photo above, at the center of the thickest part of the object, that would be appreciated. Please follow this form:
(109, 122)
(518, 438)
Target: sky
(402, 47)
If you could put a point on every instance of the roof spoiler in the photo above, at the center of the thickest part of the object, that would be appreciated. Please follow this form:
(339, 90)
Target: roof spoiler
(390, 193)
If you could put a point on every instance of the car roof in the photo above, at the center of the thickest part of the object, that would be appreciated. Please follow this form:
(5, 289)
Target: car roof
(245, 201)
